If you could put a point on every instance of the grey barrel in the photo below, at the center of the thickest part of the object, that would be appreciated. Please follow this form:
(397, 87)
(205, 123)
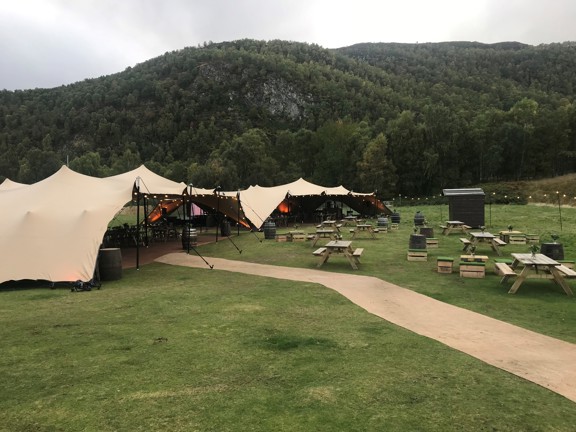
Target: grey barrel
(269, 230)
(395, 217)
(189, 238)
(382, 222)
(419, 219)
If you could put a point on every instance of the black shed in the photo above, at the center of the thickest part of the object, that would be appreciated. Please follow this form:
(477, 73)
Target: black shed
(466, 205)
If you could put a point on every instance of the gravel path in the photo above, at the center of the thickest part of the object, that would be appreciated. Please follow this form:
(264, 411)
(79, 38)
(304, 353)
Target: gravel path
(543, 360)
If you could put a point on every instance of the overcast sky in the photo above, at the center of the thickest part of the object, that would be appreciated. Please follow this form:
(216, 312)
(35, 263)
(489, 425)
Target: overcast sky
(48, 43)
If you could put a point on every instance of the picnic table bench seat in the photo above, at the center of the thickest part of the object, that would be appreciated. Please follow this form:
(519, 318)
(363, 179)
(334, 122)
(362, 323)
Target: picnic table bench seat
(319, 251)
(357, 252)
(500, 242)
(505, 271)
(566, 271)
(465, 242)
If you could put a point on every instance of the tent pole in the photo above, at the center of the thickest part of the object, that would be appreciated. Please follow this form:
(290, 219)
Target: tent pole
(217, 192)
(238, 221)
(190, 212)
(138, 223)
(146, 239)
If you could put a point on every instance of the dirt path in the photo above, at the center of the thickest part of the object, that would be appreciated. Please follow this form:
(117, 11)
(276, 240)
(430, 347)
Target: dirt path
(543, 360)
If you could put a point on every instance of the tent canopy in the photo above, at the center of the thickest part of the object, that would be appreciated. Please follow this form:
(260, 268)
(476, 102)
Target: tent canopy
(55, 227)
(260, 202)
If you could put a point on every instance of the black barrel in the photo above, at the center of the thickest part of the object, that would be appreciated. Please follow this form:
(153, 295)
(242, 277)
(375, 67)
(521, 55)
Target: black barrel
(552, 250)
(417, 241)
(110, 264)
(428, 232)
(189, 238)
(419, 219)
(225, 228)
(269, 230)
(395, 217)
(383, 222)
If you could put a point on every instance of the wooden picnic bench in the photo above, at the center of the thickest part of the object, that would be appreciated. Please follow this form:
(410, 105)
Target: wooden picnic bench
(357, 252)
(320, 251)
(505, 271)
(566, 271)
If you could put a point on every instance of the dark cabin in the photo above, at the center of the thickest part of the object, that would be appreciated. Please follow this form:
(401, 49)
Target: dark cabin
(466, 205)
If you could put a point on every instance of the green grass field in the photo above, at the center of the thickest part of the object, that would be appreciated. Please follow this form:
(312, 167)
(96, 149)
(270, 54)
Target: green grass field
(183, 349)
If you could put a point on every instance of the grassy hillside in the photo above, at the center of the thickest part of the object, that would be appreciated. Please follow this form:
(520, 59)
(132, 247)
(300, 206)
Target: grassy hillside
(554, 190)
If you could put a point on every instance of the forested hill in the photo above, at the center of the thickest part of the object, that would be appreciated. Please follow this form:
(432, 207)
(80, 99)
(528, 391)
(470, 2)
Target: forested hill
(396, 118)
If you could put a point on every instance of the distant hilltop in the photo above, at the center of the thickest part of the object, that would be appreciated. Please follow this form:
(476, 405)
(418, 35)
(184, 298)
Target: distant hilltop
(390, 117)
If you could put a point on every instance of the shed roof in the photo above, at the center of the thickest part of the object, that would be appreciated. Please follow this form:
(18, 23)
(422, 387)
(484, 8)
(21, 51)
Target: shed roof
(460, 192)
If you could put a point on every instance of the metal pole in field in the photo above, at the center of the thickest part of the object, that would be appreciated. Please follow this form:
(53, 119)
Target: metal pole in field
(559, 209)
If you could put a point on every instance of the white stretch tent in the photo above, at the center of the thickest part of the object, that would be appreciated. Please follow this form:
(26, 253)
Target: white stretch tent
(9, 184)
(259, 202)
(52, 230)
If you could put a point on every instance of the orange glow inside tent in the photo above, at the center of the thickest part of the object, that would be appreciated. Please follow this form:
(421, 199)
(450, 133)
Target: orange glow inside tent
(170, 206)
(283, 207)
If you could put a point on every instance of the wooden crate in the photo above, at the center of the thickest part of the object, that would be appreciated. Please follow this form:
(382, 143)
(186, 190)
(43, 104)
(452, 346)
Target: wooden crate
(444, 264)
(298, 237)
(472, 269)
(417, 255)
(431, 242)
(517, 239)
(281, 237)
(474, 258)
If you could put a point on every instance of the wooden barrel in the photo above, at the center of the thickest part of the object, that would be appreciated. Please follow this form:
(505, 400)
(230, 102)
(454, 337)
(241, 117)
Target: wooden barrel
(225, 228)
(383, 222)
(427, 231)
(395, 217)
(189, 238)
(419, 219)
(417, 241)
(110, 264)
(270, 230)
(552, 250)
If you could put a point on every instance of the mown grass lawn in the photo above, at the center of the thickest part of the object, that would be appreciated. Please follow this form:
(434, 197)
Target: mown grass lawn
(183, 349)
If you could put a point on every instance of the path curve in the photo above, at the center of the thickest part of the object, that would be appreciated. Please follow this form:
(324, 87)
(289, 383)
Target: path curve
(541, 359)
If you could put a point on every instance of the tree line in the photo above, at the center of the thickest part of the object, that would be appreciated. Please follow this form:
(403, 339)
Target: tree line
(393, 118)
